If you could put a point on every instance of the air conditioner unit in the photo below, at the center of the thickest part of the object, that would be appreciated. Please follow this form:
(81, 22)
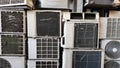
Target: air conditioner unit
(113, 64)
(12, 62)
(44, 23)
(109, 28)
(43, 64)
(112, 49)
(80, 34)
(43, 48)
(77, 16)
(12, 21)
(54, 4)
(11, 44)
(98, 3)
(75, 58)
(4, 3)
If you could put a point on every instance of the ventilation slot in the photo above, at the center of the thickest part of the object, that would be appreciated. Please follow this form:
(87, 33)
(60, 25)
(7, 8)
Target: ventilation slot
(76, 16)
(90, 16)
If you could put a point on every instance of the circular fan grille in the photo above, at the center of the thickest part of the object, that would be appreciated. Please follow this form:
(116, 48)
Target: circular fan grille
(112, 64)
(112, 49)
(4, 63)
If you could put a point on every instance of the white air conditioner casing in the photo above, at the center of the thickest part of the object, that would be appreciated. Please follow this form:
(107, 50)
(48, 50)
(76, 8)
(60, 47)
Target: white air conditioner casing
(69, 33)
(69, 55)
(12, 21)
(111, 48)
(12, 44)
(109, 28)
(48, 16)
(54, 4)
(12, 62)
(4, 3)
(43, 48)
(43, 63)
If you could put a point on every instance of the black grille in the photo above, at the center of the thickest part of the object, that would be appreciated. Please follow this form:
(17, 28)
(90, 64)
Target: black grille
(48, 23)
(12, 21)
(112, 64)
(86, 59)
(17, 1)
(2, 2)
(112, 49)
(4, 63)
(12, 44)
(86, 35)
(47, 48)
(46, 64)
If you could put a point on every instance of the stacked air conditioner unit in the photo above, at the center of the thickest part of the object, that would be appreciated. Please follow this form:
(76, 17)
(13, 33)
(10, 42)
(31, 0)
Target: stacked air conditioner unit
(12, 39)
(80, 41)
(8, 3)
(44, 31)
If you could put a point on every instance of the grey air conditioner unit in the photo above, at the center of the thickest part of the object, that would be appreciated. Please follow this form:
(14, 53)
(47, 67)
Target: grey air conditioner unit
(12, 62)
(61, 4)
(43, 64)
(75, 58)
(77, 16)
(80, 34)
(109, 28)
(112, 49)
(12, 44)
(44, 23)
(43, 48)
(12, 21)
(4, 3)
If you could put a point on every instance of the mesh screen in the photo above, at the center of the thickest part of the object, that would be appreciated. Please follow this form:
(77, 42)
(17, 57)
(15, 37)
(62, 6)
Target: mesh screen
(12, 44)
(4, 63)
(12, 21)
(86, 59)
(86, 35)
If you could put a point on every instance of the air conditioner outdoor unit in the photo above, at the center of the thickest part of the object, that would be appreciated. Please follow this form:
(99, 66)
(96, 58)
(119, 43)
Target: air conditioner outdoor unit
(75, 58)
(63, 4)
(43, 64)
(80, 34)
(109, 28)
(12, 44)
(112, 49)
(43, 48)
(4, 3)
(44, 23)
(12, 21)
(12, 62)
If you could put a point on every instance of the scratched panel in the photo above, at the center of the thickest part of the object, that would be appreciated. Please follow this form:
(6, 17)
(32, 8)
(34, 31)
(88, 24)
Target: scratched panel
(48, 23)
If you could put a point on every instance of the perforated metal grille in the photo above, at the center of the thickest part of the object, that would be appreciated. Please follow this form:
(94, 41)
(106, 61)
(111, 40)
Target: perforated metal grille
(86, 59)
(86, 35)
(113, 28)
(47, 48)
(48, 23)
(12, 44)
(4, 2)
(12, 21)
(4, 63)
(46, 64)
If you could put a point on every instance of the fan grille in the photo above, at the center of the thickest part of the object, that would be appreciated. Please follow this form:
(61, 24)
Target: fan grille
(4, 63)
(112, 49)
(112, 64)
